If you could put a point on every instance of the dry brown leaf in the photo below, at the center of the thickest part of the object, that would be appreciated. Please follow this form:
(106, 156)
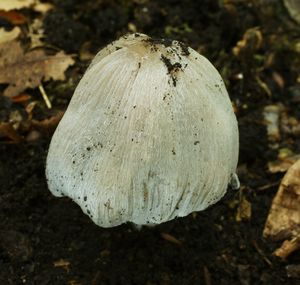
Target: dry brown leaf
(7, 36)
(8, 5)
(42, 7)
(7, 130)
(47, 126)
(287, 247)
(282, 165)
(36, 5)
(26, 70)
(283, 221)
(36, 33)
(15, 17)
(21, 98)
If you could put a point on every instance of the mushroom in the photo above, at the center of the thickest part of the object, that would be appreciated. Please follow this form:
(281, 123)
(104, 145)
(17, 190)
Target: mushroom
(149, 135)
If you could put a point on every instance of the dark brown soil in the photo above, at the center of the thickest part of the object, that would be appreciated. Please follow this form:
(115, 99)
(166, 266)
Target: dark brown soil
(46, 240)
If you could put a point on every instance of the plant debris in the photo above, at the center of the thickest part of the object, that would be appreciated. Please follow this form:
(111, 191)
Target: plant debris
(7, 36)
(284, 217)
(255, 46)
(27, 70)
(8, 5)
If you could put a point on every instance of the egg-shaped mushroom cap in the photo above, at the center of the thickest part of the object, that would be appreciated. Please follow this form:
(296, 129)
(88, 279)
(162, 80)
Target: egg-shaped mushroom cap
(149, 135)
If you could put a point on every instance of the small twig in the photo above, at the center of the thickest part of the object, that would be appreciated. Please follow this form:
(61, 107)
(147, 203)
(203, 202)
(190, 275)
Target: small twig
(264, 86)
(261, 253)
(268, 186)
(45, 97)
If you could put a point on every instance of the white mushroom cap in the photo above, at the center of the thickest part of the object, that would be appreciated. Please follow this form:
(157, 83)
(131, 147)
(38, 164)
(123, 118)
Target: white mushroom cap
(148, 136)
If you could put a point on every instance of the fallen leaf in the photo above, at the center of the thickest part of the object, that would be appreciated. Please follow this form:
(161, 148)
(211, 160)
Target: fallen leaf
(7, 36)
(282, 165)
(42, 7)
(8, 5)
(21, 98)
(287, 248)
(47, 126)
(7, 131)
(283, 221)
(26, 70)
(14, 17)
(36, 33)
